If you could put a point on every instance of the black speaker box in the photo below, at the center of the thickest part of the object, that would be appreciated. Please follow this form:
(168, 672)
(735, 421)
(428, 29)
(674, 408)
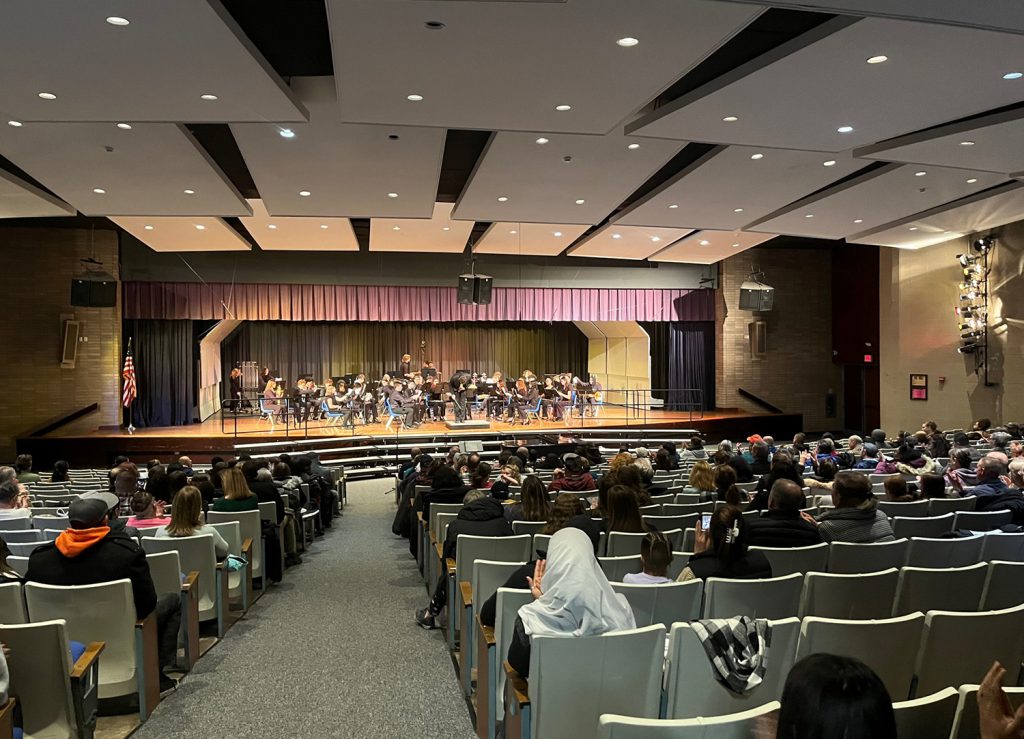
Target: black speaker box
(466, 285)
(93, 293)
(757, 298)
(482, 290)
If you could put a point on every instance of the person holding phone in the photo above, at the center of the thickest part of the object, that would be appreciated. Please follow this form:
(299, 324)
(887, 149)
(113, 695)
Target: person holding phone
(721, 549)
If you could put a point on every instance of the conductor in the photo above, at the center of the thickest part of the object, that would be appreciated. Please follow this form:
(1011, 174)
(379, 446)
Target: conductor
(460, 404)
(405, 366)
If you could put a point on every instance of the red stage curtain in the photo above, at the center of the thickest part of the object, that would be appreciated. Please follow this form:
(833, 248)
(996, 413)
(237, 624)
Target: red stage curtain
(279, 302)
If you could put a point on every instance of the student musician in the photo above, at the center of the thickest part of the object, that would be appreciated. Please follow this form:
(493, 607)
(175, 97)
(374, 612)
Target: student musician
(271, 393)
(499, 397)
(235, 379)
(401, 403)
(367, 404)
(551, 404)
(434, 390)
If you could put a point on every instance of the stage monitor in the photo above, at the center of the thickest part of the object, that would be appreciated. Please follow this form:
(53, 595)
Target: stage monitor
(756, 296)
(482, 289)
(465, 290)
(88, 293)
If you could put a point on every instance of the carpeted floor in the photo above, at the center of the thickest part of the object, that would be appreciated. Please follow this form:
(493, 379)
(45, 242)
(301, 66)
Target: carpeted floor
(331, 652)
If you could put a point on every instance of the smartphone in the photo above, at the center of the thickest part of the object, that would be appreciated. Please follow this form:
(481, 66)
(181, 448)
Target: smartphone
(705, 521)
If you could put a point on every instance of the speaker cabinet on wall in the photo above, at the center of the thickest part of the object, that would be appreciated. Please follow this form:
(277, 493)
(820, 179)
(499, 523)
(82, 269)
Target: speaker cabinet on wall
(93, 293)
(482, 290)
(758, 338)
(757, 297)
(466, 289)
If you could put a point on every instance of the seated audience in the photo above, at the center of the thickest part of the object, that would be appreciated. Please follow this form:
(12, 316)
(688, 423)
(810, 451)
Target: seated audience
(481, 515)
(896, 490)
(157, 483)
(7, 573)
(761, 457)
(630, 476)
(572, 597)
(826, 474)
(533, 505)
(623, 513)
(89, 552)
(446, 486)
(564, 507)
(662, 461)
(868, 457)
(856, 517)
(988, 475)
(960, 470)
(723, 551)
(782, 525)
(146, 512)
(878, 437)
(237, 495)
(1015, 476)
(937, 445)
(60, 472)
(655, 557)
(828, 696)
(702, 481)
(725, 486)
(262, 486)
(481, 477)
(932, 486)
(571, 476)
(13, 504)
(782, 468)
(742, 468)
(187, 520)
(693, 449)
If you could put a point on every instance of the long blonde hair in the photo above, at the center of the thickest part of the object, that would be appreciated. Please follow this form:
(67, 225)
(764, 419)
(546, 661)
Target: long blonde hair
(234, 484)
(701, 476)
(187, 512)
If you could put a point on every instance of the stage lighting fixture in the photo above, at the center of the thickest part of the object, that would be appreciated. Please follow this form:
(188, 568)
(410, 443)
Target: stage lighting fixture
(967, 349)
(983, 244)
(965, 259)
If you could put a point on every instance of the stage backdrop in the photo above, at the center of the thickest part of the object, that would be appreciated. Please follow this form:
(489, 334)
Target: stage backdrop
(683, 356)
(293, 348)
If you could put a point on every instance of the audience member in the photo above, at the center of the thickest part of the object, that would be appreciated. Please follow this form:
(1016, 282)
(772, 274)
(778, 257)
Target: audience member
(896, 490)
(722, 551)
(782, 468)
(623, 512)
(932, 486)
(856, 517)
(187, 520)
(23, 467)
(571, 476)
(869, 457)
(534, 504)
(237, 495)
(701, 481)
(565, 507)
(445, 487)
(60, 472)
(630, 476)
(13, 504)
(782, 525)
(988, 474)
(960, 470)
(481, 477)
(761, 458)
(146, 512)
(825, 476)
(878, 437)
(264, 489)
(725, 485)
(655, 557)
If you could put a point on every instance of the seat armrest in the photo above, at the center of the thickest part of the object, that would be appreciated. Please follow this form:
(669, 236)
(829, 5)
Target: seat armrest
(450, 564)
(147, 662)
(518, 687)
(486, 633)
(467, 594)
(89, 656)
(247, 548)
(7, 718)
(191, 580)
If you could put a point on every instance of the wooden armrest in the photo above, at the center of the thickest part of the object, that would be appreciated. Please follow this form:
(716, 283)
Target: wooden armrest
(450, 564)
(486, 633)
(220, 565)
(89, 656)
(518, 684)
(191, 580)
(439, 549)
(467, 593)
(247, 549)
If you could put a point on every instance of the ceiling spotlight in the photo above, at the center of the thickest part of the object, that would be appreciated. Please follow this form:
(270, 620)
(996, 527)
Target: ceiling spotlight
(116, 20)
(633, 146)
(392, 194)
(757, 156)
(304, 193)
(513, 232)
(858, 220)
(272, 227)
(616, 236)
(286, 133)
(655, 239)
(972, 180)
(446, 228)
(809, 215)
(877, 59)
(1013, 75)
(396, 228)
(581, 201)
(414, 97)
(503, 199)
(737, 210)
(912, 228)
(730, 119)
(542, 140)
(125, 126)
(148, 227)
(844, 129)
(735, 246)
(556, 233)
(47, 96)
(922, 173)
(99, 191)
(966, 143)
(200, 227)
(208, 96)
(190, 192)
(705, 242)
(628, 41)
(323, 226)
(16, 124)
(563, 108)
(829, 163)
(673, 206)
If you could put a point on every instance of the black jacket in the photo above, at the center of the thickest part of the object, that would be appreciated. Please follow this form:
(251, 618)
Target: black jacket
(442, 495)
(781, 529)
(742, 467)
(267, 492)
(483, 517)
(114, 557)
(752, 566)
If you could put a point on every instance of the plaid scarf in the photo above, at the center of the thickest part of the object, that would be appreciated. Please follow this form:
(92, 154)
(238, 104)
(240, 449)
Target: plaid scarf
(737, 648)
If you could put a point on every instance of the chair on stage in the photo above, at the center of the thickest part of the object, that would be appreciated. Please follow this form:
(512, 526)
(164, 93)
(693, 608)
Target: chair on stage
(533, 412)
(266, 414)
(392, 415)
(331, 416)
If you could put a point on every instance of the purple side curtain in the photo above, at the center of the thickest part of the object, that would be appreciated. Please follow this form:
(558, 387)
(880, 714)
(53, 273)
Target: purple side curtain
(280, 302)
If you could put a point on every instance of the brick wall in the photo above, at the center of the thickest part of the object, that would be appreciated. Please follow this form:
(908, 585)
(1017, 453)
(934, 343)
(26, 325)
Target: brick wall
(38, 265)
(797, 372)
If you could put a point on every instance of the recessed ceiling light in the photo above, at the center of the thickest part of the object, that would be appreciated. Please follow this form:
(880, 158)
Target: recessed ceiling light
(396, 228)
(912, 228)
(556, 233)
(1013, 75)
(323, 226)
(392, 194)
(809, 215)
(47, 96)
(730, 119)
(503, 199)
(673, 206)
(966, 143)
(858, 220)
(844, 129)
(272, 227)
(200, 227)
(116, 20)
(542, 140)
(581, 201)
(735, 246)
(414, 97)
(877, 59)
(513, 232)
(190, 192)
(830, 163)
(208, 96)
(737, 210)
(655, 239)
(616, 236)
(148, 227)
(16, 124)
(304, 193)
(99, 191)
(434, 25)
(286, 133)
(972, 180)
(633, 146)
(757, 156)
(446, 228)
(705, 242)
(563, 108)
(125, 126)
(627, 41)
(922, 173)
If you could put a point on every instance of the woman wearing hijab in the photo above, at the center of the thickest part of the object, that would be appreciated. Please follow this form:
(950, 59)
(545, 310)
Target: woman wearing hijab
(572, 597)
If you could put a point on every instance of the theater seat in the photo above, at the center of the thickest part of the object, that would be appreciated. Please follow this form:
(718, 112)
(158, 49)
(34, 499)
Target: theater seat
(930, 716)
(734, 726)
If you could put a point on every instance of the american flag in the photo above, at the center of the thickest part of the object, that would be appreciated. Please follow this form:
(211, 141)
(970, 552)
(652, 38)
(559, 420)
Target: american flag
(128, 373)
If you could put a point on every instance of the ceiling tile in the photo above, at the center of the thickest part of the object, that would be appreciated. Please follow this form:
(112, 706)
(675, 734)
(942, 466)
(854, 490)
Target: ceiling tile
(19, 199)
(285, 233)
(183, 234)
(535, 239)
(708, 247)
(348, 169)
(438, 234)
(626, 242)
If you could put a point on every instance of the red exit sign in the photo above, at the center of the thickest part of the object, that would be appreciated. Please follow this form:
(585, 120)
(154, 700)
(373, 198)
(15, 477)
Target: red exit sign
(869, 358)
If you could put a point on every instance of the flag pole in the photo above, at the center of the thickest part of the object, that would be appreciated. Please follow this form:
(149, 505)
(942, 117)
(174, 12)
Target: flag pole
(131, 403)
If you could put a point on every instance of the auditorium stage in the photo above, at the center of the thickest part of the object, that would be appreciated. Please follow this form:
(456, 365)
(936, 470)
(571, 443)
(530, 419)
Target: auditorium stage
(219, 436)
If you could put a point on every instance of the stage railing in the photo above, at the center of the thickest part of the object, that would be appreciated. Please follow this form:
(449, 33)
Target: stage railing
(293, 418)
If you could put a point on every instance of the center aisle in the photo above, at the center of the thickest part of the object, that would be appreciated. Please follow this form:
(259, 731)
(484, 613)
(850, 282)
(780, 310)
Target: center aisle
(332, 651)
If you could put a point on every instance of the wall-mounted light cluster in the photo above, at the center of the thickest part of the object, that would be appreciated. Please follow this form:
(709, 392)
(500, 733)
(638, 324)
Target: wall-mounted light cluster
(972, 307)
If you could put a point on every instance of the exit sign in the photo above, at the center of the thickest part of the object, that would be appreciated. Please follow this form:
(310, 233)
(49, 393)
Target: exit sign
(868, 358)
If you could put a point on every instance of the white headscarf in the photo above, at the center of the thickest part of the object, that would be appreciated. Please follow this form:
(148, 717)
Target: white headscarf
(577, 599)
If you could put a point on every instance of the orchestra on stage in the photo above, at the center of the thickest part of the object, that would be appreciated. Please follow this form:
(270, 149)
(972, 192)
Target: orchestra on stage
(414, 397)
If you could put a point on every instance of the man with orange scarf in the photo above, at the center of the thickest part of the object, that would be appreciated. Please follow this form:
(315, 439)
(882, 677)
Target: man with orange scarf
(89, 552)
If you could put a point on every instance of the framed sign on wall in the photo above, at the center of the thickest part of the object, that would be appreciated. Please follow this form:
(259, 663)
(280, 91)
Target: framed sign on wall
(918, 387)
